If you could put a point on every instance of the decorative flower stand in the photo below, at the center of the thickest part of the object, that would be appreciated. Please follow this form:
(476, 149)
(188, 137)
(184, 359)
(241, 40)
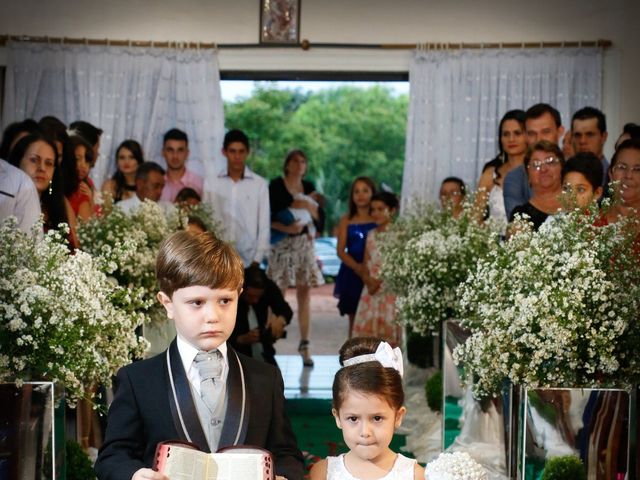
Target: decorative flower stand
(32, 431)
(479, 428)
(591, 424)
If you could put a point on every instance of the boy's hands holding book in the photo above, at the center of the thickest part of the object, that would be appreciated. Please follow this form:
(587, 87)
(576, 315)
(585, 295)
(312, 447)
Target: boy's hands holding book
(148, 474)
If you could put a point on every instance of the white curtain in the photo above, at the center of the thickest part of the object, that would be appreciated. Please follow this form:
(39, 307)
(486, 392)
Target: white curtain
(457, 98)
(129, 92)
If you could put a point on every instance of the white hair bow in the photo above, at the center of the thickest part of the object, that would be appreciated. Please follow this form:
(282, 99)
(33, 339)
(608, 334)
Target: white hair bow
(385, 355)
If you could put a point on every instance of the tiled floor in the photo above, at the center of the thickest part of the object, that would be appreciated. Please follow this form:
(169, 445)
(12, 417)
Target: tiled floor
(307, 382)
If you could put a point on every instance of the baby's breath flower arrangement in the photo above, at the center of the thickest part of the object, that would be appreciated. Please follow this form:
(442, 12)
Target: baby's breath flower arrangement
(555, 308)
(426, 254)
(62, 319)
(455, 466)
(130, 242)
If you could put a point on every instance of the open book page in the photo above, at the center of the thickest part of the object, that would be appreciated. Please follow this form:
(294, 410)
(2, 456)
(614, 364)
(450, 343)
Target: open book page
(236, 466)
(185, 464)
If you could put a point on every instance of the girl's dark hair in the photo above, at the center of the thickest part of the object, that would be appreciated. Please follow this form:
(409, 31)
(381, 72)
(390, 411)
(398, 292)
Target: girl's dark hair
(459, 181)
(588, 165)
(353, 209)
(118, 177)
(629, 144)
(291, 155)
(12, 131)
(87, 131)
(187, 193)
(54, 128)
(388, 198)
(52, 199)
(69, 164)
(367, 377)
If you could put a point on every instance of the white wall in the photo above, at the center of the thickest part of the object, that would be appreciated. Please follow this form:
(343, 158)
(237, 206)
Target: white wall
(354, 21)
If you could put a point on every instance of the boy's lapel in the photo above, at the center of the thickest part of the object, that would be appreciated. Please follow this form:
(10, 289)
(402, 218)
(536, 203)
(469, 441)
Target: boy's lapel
(185, 415)
(236, 419)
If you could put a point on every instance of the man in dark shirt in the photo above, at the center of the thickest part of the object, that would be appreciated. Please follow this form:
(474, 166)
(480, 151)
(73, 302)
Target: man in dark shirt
(262, 316)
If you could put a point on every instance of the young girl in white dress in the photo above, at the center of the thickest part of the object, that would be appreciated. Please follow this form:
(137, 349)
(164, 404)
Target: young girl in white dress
(368, 406)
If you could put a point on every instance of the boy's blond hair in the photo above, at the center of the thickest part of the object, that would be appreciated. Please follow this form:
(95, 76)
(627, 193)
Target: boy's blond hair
(186, 259)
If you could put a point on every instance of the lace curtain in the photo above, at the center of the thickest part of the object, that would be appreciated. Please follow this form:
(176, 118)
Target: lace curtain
(129, 92)
(457, 98)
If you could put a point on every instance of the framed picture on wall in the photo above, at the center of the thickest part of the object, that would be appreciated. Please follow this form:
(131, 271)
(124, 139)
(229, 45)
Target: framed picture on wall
(280, 21)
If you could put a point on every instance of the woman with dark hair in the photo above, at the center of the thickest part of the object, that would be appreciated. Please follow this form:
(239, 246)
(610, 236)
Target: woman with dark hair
(352, 236)
(625, 171)
(292, 258)
(37, 157)
(512, 145)
(14, 132)
(122, 185)
(543, 164)
(77, 185)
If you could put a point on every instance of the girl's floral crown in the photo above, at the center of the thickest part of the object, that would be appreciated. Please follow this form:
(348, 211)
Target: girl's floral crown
(385, 355)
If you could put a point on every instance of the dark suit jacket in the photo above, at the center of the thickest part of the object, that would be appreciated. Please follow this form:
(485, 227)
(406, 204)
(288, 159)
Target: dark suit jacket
(272, 297)
(144, 412)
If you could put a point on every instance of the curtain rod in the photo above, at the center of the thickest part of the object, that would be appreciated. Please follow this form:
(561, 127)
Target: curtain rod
(304, 45)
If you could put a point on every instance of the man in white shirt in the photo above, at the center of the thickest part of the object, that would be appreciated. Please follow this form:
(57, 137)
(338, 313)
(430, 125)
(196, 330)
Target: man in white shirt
(149, 185)
(240, 201)
(18, 196)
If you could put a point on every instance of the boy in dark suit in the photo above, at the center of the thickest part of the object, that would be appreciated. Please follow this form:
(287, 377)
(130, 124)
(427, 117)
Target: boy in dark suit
(200, 390)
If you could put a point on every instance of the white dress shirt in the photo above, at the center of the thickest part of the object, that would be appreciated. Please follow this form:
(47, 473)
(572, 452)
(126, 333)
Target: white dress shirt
(188, 354)
(242, 208)
(18, 196)
(132, 203)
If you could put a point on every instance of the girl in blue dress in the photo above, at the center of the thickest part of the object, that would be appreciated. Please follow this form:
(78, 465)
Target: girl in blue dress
(352, 236)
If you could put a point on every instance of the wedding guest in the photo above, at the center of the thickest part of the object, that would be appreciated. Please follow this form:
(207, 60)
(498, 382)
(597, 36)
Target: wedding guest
(18, 197)
(77, 185)
(352, 236)
(149, 185)
(376, 314)
(543, 163)
(292, 259)
(589, 134)
(38, 158)
(122, 185)
(582, 178)
(90, 133)
(187, 196)
(55, 129)
(542, 122)
(513, 145)
(175, 150)
(14, 132)
(452, 194)
(625, 171)
(240, 201)
(629, 131)
(263, 314)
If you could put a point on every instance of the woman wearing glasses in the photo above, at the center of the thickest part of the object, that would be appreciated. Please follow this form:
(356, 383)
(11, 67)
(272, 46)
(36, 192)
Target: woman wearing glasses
(625, 171)
(543, 163)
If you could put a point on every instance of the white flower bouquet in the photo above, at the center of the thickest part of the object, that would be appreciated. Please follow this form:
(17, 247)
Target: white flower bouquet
(558, 307)
(130, 242)
(454, 466)
(63, 319)
(426, 255)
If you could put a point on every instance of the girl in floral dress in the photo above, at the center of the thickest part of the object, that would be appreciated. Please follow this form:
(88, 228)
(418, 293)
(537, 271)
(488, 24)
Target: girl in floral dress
(376, 310)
